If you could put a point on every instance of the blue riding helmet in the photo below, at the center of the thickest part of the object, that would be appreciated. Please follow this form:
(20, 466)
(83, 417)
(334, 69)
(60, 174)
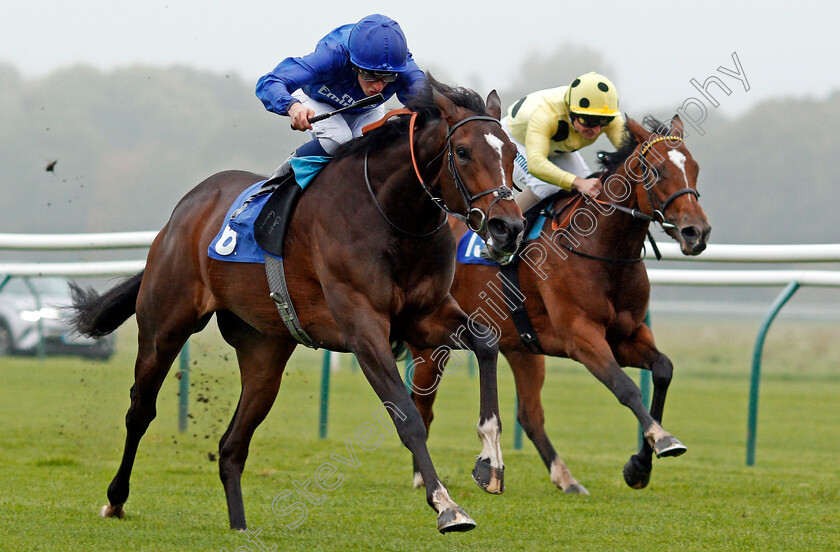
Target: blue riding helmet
(377, 43)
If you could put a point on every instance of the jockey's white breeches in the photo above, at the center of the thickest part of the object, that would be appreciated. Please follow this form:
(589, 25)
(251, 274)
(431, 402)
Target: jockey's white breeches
(568, 161)
(336, 130)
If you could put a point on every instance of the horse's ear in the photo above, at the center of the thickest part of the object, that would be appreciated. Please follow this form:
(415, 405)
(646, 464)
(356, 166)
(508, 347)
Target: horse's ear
(677, 127)
(639, 132)
(447, 108)
(494, 104)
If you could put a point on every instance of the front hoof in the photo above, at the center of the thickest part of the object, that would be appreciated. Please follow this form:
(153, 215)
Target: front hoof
(454, 520)
(637, 472)
(668, 446)
(109, 510)
(491, 479)
(577, 488)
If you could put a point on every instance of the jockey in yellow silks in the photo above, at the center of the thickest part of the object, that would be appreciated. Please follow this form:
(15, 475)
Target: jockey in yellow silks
(550, 126)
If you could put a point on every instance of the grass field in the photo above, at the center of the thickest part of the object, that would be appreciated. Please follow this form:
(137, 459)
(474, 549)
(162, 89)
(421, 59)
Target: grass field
(63, 431)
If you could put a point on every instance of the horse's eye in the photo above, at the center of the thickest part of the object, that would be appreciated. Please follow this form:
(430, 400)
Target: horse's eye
(462, 153)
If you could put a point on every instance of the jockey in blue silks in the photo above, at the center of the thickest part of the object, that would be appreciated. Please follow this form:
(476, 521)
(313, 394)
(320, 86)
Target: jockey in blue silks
(350, 63)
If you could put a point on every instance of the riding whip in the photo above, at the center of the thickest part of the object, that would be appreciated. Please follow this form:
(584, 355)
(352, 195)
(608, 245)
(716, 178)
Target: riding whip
(364, 102)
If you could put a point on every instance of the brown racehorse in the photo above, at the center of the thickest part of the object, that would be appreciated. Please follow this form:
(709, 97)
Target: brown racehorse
(586, 293)
(369, 261)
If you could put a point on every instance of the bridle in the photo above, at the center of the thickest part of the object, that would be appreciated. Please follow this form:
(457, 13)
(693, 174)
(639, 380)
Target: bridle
(659, 213)
(502, 192)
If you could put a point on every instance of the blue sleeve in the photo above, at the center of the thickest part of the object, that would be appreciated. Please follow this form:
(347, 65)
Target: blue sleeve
(275, 89)
(411, 81)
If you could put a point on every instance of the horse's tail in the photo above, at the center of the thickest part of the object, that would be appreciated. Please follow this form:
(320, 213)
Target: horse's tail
(97, 315)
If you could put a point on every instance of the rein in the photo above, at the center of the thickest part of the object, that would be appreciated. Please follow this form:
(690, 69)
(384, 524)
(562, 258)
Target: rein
(501, 192)
(382, 211)
(658, 213)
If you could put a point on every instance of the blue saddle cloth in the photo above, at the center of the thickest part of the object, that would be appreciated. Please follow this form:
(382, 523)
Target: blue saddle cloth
(235, 241)
(470, 244)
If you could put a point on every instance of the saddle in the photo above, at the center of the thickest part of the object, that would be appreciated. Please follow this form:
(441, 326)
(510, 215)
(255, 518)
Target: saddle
(271, 224)
(270, 229)
(543, 208)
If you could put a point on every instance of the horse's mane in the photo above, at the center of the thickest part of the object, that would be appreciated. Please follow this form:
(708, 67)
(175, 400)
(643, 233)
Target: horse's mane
(422, 102)
(610, 161)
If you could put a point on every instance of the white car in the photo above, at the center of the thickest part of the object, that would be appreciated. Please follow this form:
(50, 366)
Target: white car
(35, 312)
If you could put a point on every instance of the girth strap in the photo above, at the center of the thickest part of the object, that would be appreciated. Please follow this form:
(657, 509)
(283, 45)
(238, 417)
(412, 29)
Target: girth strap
(516, 306)
(280, 295)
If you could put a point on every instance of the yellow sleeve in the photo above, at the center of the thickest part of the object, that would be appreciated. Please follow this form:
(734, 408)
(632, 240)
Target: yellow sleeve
(541, 127)
(616, 132)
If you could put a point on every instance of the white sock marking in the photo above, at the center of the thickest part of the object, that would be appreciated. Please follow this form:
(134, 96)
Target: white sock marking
(489, 432)
(441, 499)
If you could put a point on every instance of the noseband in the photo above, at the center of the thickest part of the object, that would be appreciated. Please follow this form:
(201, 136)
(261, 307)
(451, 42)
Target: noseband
(502, 192)
(659, 213)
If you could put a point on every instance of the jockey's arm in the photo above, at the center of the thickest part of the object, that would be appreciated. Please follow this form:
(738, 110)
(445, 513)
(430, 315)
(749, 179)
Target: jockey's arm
(410, 81)
(541, 127)
(275, 88)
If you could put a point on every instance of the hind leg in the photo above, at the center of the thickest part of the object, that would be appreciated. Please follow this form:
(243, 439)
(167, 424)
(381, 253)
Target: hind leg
(262, 360)
(641, 352)
(159, 342)
(529, 374)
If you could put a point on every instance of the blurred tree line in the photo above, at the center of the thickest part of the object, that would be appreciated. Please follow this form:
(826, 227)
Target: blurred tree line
(129, 143)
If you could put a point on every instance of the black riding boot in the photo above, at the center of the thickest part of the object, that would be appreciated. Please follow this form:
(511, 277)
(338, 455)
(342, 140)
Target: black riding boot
(284, 171)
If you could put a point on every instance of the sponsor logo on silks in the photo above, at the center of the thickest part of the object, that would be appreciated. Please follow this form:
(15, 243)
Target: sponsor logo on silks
(227, 241)
(521, 161)
(343, 101)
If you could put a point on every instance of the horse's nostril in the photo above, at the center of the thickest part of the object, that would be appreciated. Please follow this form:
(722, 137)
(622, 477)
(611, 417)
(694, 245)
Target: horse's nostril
(690, 233)
(498, 229)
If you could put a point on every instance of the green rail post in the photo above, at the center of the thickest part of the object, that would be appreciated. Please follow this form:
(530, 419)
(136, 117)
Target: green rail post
(755, 377)
(408, 377)
(644, 387)
(325, 396)
(517, 427)
(184, 387)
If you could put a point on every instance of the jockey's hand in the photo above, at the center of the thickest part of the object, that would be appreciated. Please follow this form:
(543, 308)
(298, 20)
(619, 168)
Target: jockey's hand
(300, 115)
(589, 186)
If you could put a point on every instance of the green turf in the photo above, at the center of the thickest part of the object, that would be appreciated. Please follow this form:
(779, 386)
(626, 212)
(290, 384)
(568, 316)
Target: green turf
(63, 430)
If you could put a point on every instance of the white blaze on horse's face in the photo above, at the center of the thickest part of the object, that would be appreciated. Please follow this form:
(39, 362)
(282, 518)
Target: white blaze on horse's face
(678, 159)
(497, 145)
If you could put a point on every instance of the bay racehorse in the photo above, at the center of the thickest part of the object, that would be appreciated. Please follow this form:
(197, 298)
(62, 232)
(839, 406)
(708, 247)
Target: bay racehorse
(586, 293)
(369, 261)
